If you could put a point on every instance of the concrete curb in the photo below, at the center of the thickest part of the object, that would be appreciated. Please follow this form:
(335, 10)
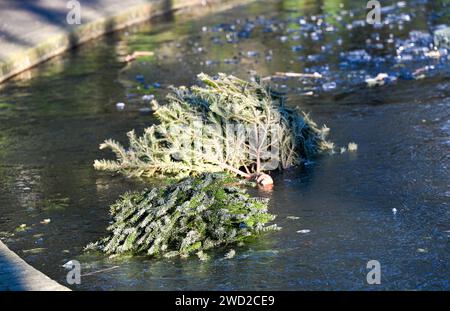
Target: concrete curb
(68, 39)
(17, 275)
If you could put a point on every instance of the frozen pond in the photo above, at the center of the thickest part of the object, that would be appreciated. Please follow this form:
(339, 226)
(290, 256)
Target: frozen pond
(52, 123)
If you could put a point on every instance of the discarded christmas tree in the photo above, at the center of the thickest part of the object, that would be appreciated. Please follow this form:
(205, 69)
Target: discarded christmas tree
(189, 216)
(226, 124)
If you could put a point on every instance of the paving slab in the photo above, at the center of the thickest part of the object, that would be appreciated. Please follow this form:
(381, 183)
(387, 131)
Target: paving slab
(32, 31)
(17, 275)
